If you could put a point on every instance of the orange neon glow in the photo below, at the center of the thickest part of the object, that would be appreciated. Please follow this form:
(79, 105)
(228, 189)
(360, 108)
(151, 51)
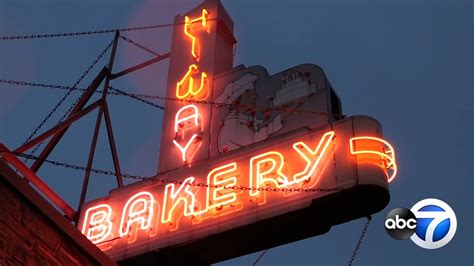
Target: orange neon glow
(97, 226)
(388, 155)
(185, 156)
(320, 171)
(312, 158)
(266, 168)
(224, 176)
(181, 122)
(187, 25)
(210, 197)
(138, 209)
(186, 88)
(190, 90)
(184, 195)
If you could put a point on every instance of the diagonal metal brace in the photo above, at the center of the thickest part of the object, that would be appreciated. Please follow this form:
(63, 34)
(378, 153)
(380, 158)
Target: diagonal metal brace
(140, 66)
(60, 133)
(66, 123)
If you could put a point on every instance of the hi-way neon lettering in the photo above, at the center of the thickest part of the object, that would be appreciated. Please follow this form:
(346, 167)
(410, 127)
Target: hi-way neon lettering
(187, 88)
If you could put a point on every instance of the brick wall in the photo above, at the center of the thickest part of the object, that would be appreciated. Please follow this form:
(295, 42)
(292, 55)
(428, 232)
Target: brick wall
(32, 232)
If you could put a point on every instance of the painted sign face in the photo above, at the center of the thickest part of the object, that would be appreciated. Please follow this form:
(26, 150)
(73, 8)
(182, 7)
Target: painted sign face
(257, 106)
(241, 187)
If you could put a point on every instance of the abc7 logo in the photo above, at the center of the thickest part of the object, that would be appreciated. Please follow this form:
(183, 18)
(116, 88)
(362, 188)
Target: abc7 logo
(400, 223)
(431, 223)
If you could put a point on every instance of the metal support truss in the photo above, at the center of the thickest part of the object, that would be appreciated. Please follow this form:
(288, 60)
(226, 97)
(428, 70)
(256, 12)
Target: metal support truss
(57, 132)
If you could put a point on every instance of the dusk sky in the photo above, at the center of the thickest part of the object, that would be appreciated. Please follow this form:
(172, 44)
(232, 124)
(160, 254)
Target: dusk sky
(409, 64)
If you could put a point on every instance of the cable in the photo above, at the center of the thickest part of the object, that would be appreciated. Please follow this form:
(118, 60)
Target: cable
(142, 97)
(33, 84)
(61, 101)
(354, 253)
(260, 257)
(94, 32)
(168, 181)
(120, 92)
(139, 45)
(238, 105)
(62, 87)
(359, 242)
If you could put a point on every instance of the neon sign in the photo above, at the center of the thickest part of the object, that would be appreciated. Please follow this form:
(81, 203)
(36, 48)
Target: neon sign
(99, 225)
(368, 143)
(186, 89)
(188, 23)
(190, 90)
(253, 168)
(261, 181)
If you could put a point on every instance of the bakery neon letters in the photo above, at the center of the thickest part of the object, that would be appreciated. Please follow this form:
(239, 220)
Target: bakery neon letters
(98, 226)
(190, 201)
(178, 200)
(137, 210)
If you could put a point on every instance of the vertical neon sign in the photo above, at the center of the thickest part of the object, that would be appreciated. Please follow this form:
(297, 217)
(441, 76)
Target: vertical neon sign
(202, 46)
(188, 89)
